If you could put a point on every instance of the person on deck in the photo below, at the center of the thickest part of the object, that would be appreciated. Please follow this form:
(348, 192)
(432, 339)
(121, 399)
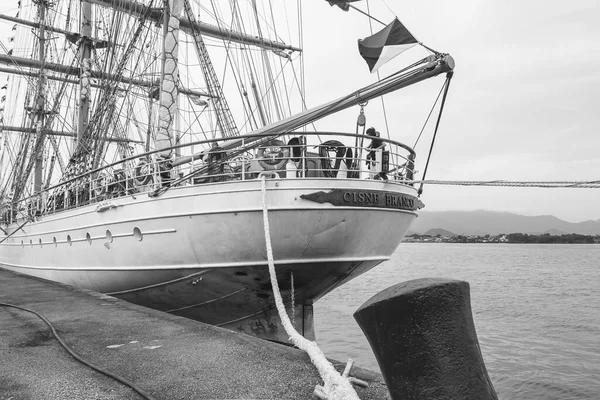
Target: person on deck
(376, 146)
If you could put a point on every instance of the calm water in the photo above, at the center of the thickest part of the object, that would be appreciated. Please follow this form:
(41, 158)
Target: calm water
(536, 311)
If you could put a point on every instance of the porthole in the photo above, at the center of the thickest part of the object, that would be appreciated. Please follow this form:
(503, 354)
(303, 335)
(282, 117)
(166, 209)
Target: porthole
(31, 242)
(40, 242)
(109, 236)
(69, 240)
(88, 237)
(54, 241)
(137, 234)
(22, 244)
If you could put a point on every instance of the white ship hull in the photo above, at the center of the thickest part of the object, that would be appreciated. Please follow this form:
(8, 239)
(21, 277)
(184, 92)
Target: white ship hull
(199, 251)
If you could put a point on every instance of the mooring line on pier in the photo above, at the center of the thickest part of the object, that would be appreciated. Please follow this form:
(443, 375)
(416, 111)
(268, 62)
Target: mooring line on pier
(103, 371)
(336, 386)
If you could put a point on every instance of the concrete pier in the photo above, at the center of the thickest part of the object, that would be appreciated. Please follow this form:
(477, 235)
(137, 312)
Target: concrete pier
(167, 356)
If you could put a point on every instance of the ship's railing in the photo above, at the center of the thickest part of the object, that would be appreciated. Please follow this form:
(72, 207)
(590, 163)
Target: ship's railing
(327, 155)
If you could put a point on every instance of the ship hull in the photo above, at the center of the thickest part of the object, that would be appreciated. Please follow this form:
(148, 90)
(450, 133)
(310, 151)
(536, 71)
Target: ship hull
(199, 251)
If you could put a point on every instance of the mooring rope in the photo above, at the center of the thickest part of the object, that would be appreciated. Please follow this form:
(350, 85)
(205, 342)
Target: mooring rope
(530, 184)
(336, 387)
(292, 299)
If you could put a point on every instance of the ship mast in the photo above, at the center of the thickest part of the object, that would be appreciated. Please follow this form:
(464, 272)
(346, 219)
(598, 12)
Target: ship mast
(167, 113)
(85, 72)
(39, 111)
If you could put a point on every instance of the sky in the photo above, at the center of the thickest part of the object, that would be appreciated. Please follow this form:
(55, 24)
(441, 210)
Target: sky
(523, 103)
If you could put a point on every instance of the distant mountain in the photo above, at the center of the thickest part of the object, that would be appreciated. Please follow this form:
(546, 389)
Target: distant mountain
(483, 222)
(441, 232)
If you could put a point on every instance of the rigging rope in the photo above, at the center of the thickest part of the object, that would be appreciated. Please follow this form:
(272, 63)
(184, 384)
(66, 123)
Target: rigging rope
(429, 115)
(292, 298)
(524, 184)
(437, 125)
(15, 231)
(336, 387)
(366, 13)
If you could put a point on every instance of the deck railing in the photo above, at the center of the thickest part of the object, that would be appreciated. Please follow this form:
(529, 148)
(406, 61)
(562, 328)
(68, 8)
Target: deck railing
(327, 155)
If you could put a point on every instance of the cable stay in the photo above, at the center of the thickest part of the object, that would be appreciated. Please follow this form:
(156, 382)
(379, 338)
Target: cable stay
(522, 184)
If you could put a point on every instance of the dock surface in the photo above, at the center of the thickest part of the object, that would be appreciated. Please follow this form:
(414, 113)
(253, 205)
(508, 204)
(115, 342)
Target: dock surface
(169, 357)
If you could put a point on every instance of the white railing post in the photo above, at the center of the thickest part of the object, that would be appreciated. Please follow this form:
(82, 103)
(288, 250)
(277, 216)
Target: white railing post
(126, 179)
(192, 166)
(243, 163)
(303, 155)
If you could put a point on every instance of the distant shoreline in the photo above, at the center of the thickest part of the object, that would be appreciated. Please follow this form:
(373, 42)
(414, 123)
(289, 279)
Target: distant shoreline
(511, 238)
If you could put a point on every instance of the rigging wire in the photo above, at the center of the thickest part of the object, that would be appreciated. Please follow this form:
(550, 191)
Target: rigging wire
(368, 13)
(389, 8)
(302, 69)
(30, 81)
(281, 104)
(274, 86)
(387, 128)
(428, 116)
(437, 124)
(239, 67)
(253, 70)
(229, 59)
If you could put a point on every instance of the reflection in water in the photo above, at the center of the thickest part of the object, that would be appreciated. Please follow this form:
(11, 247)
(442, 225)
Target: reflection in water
(536, 311)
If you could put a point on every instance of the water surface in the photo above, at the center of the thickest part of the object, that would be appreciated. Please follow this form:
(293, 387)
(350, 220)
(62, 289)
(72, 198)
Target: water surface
(536, 311)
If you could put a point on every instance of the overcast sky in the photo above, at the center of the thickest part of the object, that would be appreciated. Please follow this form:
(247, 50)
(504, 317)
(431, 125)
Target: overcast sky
(523, 104)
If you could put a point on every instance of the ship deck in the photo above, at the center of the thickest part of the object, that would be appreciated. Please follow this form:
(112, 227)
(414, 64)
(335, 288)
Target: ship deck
(168, 357)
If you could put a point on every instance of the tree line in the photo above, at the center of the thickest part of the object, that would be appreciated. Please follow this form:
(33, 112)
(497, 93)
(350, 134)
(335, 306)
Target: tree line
(547, 238)
(571, 238)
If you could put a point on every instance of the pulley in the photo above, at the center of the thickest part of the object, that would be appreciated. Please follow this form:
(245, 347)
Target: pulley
(362, 119)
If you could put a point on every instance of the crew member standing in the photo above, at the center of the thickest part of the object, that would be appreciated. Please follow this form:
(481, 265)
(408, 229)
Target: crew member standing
(377, 146)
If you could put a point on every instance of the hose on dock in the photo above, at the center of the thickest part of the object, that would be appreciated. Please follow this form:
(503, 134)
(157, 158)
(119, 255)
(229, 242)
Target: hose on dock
(118, 378)
(336, 386)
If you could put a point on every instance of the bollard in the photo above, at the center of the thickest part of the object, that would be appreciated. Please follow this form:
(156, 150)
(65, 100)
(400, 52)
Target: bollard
(424, 339)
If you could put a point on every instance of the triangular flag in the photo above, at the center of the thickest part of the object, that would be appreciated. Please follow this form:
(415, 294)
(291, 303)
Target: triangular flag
(385, 44)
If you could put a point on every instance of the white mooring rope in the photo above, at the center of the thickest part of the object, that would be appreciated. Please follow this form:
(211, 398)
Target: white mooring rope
(336, 386)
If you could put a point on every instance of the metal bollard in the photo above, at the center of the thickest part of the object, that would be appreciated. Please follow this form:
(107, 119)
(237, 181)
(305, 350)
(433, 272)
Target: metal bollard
(424, 339)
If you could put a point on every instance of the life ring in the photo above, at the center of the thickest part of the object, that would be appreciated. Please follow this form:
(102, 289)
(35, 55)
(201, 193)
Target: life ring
(275, 158)
(143, 173)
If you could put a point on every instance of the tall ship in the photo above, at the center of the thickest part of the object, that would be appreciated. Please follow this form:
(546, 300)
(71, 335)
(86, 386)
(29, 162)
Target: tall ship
(136, 137)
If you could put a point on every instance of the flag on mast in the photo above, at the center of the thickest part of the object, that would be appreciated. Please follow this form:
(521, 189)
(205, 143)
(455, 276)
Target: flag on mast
(386, 44)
